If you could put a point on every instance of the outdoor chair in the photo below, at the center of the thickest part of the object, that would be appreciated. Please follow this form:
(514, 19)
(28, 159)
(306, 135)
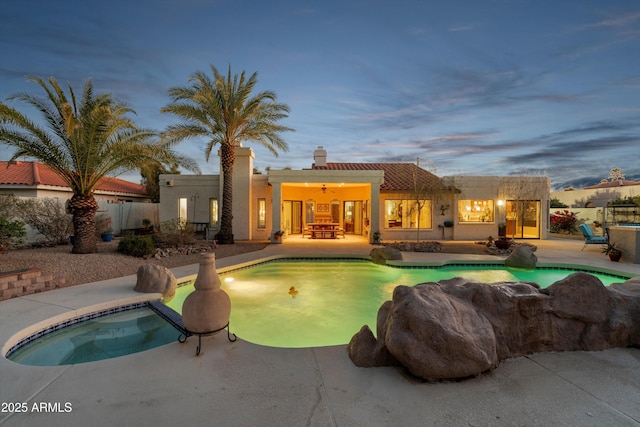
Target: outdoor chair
(589, 238)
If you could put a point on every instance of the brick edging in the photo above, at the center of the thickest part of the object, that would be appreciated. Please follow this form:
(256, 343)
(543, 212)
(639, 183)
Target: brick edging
(24, 282)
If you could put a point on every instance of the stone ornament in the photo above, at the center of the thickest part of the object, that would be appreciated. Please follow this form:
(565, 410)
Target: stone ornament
(207, 309)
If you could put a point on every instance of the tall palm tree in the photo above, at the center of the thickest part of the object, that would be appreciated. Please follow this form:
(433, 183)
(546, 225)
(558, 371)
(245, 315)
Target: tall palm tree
(83, 141)
(223, 111)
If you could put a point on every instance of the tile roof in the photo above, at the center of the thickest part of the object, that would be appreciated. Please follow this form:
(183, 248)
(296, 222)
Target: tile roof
(397, 176)
(34, 173)
(617, 183)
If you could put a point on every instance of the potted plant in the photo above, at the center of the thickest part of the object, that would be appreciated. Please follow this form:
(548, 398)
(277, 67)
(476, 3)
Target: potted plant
(502, 243)
(277, 235)
(107, 235)
(376, 237)
(613, 250)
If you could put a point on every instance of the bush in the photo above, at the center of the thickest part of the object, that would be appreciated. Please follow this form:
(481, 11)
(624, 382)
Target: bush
(49, 217)
(175, 232)
(564, 221)
(555, 203)
(137, 246)
(8, 206)
(12, 233)
(103, 225)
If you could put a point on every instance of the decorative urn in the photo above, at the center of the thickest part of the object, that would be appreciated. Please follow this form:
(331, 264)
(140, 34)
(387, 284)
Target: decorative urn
(207, 309)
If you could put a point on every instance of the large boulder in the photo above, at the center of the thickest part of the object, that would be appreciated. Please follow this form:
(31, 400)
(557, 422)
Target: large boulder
(382, 255)
(522, 256)
(153, 278)
(458, 328)
(462, 343)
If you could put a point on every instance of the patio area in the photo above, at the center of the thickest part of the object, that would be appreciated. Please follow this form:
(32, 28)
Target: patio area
(242, 384)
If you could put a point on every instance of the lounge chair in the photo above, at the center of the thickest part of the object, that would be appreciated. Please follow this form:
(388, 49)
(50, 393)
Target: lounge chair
(589, 238)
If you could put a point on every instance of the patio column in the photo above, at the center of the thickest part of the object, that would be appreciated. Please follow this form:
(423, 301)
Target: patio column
(375, 210)
(276, 210)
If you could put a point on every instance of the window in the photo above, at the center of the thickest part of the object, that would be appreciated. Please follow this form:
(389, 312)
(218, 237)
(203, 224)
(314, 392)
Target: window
(404, 214)
(476, 211)
(310, 211)
(262, 213)
(182, 208)
(213, 212)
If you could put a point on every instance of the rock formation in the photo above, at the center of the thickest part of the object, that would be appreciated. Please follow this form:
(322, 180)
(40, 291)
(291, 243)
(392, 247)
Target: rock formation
(153, 278)
(522, 257)
(381, 255)
(457, 328)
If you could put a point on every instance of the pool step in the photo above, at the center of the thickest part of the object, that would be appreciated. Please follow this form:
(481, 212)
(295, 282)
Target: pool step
(175, 319)
(170, 315)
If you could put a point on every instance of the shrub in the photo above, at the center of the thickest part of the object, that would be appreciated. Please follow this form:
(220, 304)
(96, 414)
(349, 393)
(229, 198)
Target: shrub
(555, 203)
(8, 206)
(12, 233)
(564, 221)
(103, 224)
(175, 232)
(49, 217)
(137, 246)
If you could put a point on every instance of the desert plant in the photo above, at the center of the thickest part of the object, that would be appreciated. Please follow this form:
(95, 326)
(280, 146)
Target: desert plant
(175, 232)
(82, 138)
(613, 250)
(12, 233)
(137, 246)
(48, 216)
(609, 247)
(223, 111)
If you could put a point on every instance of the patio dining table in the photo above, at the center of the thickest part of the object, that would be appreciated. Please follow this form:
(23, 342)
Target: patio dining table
(323, 230)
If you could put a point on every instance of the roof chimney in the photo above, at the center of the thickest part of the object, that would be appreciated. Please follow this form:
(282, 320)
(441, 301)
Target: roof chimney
(320, 156)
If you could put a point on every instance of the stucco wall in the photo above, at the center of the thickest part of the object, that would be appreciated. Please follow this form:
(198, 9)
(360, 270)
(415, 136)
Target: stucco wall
(596, 197)
(498, 188)
(197, 189)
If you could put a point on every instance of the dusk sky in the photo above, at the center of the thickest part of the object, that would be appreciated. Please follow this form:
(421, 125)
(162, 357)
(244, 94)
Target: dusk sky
(475, 87)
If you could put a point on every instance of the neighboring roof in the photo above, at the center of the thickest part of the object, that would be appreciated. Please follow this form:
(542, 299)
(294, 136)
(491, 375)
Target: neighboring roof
(397, 176)
(617, 183)
(34, 173)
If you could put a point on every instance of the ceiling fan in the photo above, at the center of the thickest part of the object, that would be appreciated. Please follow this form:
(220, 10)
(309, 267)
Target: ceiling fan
(324, 189)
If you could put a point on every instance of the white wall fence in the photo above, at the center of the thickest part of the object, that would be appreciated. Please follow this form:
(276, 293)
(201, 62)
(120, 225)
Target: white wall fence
(127, 215)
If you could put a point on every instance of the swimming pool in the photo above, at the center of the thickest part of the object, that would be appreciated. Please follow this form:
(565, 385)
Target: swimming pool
(331, 300)
(289, 303)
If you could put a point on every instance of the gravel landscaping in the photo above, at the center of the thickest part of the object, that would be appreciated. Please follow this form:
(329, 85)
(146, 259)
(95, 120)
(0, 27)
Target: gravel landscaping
(106, 264)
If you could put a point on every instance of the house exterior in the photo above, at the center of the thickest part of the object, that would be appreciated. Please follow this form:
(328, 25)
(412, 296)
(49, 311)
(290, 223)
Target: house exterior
(593, 203)
(400, 201)
(125, 203)
(34, 179)
(598, 195)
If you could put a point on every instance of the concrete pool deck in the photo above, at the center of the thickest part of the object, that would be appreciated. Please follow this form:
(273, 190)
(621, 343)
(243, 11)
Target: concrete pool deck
(242, 384)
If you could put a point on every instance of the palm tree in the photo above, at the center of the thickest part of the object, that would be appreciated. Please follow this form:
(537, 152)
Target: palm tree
(223, 111)
(83, 141)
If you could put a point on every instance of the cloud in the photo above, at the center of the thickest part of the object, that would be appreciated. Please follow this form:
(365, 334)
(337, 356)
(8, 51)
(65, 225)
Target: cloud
(620, 20)
(459, 28)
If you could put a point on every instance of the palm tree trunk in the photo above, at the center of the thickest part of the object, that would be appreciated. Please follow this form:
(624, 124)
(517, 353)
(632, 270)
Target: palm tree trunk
(83, 208)
(227, 160)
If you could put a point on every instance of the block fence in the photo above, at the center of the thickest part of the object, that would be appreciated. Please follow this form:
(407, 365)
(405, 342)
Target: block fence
(24, 282)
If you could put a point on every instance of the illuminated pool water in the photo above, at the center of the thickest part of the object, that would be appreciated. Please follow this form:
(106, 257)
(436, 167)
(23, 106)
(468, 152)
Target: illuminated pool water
(332, 300)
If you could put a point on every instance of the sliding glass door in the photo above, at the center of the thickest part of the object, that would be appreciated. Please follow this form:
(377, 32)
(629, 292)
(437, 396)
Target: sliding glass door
(523, 219)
